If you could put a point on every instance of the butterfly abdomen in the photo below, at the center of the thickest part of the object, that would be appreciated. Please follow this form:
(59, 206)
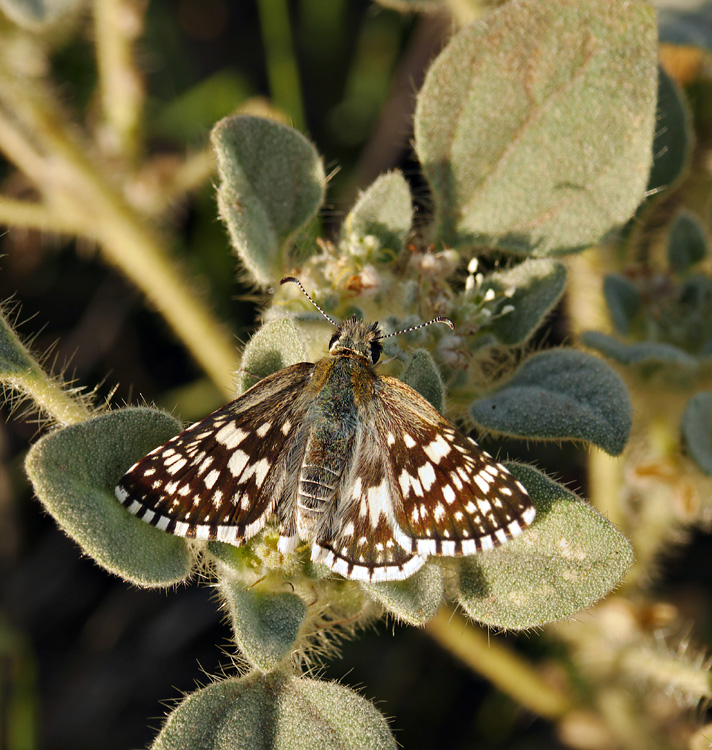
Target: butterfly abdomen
(333, 416)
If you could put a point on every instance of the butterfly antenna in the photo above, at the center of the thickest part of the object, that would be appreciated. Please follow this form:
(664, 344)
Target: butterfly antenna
(439, 319)
(306, 294)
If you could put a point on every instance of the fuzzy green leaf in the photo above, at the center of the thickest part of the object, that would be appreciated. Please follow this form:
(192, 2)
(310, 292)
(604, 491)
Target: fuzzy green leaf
(266, 625)
(568, 559)
(423, 375)
(561, 394)
(508, 124)
(538, 286)
(415, 600)
(643, 353)
(276, 345)
(687, 244)
(14, 357)
(271, 185)
(74, 472)
(384, 211)
(673, 136)
(696, 429)
(275, 712)
(623, 300)
(35, 14)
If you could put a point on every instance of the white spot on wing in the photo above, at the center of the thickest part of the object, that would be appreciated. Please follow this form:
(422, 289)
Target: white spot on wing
(237, 462)
(482, 484)
(227, 534)
(230, 436)
(163, 522)
(202, 532)
(427, 476)
(211, 478)
(437, 450)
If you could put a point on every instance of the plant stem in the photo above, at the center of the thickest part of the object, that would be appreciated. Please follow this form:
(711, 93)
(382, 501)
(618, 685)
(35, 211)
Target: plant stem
(501, 666)
(78, 186)
(117, 23)
(50, 397)
(35, 215)
(604, 484)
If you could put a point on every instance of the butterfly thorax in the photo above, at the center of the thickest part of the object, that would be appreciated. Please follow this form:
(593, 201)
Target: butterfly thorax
(342, 384)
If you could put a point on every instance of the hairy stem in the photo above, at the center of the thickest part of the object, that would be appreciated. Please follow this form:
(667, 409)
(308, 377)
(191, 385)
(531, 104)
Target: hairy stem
(501, 666)
(49, 396)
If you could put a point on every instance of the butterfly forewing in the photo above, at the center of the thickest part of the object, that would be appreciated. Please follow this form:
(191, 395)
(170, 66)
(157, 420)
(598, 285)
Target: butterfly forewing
(222, 477)
(449, 496)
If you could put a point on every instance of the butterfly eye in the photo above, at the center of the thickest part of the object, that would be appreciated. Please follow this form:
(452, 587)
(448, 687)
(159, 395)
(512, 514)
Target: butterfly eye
(334, 339)
(376, 350)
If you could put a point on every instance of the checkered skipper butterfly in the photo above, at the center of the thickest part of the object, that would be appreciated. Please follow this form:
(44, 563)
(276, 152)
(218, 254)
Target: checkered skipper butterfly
(357, 464)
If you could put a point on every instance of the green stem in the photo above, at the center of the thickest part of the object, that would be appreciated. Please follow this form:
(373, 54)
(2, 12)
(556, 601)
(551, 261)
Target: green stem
(21, 371)
(281, 62)
(605, 483)
(31, 215)
(18, 147)
(501, 666)
(117, 23)
(78, 187)
(50, 397)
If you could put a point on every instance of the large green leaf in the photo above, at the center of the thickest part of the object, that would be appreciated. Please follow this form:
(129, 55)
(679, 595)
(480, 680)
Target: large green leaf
(696, 427)
(561, 394)
(276, 345)
(74, 471)
(568, 559)
(415, 600)
(673, 136)
(537, 286)
(275, 711)
(271, 185)
(534, 126)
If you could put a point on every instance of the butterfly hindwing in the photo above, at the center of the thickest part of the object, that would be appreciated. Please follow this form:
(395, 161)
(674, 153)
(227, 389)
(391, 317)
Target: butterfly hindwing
(222, 477)
(362, 542)
(450, 496)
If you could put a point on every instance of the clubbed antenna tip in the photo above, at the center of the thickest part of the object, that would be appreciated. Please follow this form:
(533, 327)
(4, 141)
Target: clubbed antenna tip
(306, 294)
(439, 319)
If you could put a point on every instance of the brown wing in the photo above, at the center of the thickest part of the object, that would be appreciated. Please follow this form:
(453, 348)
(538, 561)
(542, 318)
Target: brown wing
(221, 478)
(450, 497)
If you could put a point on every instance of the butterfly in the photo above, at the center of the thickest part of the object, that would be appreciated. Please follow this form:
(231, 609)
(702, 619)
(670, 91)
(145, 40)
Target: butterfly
(357, 464)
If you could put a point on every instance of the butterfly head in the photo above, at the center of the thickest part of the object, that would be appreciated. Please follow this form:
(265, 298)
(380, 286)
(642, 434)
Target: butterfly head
(357, 337)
